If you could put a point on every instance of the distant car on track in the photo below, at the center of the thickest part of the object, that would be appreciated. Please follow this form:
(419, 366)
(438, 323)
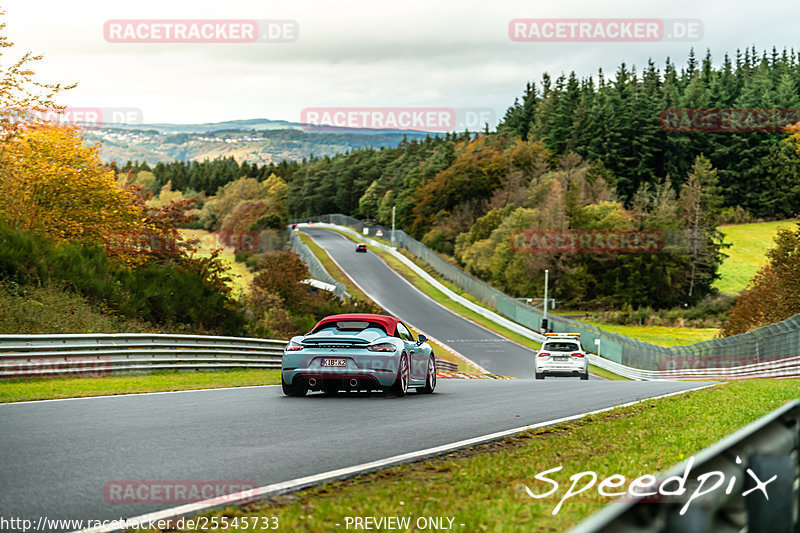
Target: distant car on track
(358, 352)
(561, 354)
(361, 248)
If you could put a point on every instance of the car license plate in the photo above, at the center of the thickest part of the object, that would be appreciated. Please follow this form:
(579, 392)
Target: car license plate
(334, 362)
(560, 358)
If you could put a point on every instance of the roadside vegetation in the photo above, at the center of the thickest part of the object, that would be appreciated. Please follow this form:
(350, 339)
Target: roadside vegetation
(208, 243)
(660, 335)
(30, 310)
(484, 487)
(28, 389)
(774, 292)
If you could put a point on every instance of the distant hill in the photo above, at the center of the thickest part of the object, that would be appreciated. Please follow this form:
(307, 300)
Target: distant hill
(253, 140)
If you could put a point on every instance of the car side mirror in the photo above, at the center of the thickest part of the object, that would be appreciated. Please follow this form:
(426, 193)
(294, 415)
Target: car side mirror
(421, 339)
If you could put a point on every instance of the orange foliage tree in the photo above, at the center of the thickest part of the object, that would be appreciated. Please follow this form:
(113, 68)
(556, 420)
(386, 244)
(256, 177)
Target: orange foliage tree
(794, 137)
(54, 184)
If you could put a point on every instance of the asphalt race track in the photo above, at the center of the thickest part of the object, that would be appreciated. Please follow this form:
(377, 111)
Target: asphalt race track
(478, 344)
(59, 455)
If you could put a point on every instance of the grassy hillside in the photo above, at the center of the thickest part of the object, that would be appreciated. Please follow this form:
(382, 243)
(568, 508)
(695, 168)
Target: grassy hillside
(745, 257)
(264, 146)
(660, 335)
(238, 271)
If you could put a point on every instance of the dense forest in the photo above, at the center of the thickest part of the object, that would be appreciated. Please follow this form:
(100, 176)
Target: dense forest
(570, 153)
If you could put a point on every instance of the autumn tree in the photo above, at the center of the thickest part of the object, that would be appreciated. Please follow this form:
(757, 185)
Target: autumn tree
(22, 96)
(56, 185)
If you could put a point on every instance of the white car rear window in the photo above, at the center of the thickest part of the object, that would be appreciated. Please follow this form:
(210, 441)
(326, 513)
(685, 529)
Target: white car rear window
(560, 347)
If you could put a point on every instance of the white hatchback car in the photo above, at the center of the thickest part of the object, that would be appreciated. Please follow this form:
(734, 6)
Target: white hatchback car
(561, 355)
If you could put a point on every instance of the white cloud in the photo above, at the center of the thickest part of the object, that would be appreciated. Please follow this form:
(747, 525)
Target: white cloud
(354, 53)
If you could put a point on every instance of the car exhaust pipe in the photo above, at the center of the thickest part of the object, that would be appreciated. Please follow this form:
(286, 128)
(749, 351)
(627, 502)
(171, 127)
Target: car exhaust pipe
(353, 382)
(312, 382)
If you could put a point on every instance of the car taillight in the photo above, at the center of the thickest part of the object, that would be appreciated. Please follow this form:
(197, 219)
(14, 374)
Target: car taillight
(544, 354)
(385, 347)
(577, 354)
(294, 347)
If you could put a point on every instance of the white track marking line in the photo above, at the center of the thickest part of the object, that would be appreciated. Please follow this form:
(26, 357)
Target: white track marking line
(341, 473)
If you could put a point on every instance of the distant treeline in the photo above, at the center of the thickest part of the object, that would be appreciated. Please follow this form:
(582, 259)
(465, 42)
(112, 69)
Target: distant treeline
(208, 176)
(617, 122)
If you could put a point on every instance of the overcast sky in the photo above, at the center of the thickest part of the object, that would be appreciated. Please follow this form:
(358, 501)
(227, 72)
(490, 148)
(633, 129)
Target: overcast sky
(376, 53)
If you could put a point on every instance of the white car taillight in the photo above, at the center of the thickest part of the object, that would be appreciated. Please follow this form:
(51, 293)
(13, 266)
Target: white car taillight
(544, 354)
(384, 347)
(293, 347)
(577, 354)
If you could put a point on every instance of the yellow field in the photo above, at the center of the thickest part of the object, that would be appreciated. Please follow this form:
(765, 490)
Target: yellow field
(237, 271)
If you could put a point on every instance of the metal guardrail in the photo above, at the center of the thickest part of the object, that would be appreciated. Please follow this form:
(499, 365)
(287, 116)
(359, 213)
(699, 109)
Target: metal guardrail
(101, 354)
(314, 266)
(768, 344)
(708, 368)
(744, 460)
(443, 365)
(24, 356)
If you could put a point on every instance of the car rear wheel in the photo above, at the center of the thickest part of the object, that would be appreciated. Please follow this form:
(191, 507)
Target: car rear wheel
(300, 389)
(539, 375)
(430, 379)
(585, 376)
(400, 386)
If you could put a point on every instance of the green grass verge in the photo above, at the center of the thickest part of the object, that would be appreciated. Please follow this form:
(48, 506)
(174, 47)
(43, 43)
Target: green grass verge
(603, 373)
(19, 390)
(746, 256)
(333, 269)
(484, 487)
(660, 335)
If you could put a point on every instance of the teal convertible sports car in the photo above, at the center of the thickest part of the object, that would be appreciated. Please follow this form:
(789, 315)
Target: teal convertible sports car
(358, 352)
